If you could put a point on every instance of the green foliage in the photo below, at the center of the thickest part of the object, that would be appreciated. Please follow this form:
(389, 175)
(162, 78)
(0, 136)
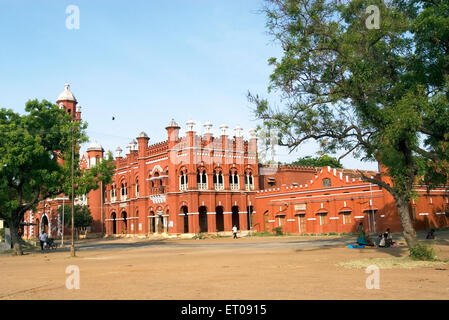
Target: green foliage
(422, 252)
(82, 217)
(278, 231)
(261, 234)
(198, 236)
(380, 94)
(322, 161)
(32, 146)
(2, 233)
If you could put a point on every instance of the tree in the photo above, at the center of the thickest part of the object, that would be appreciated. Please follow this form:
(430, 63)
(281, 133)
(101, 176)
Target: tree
(83, 217)
(322, 161)
(379, 93)
(31, 147)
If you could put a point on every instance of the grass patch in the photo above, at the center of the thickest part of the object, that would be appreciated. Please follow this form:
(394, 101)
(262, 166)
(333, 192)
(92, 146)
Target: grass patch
(422, 252)
(392, 263)
(262, 234)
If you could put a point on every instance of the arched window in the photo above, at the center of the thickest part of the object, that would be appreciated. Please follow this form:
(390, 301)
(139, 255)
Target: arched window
(123, 191)
(249, 181)
(218, 180)
(183, 181)
(201, 179)
(113, 193)
(234, 180)
(137, 188)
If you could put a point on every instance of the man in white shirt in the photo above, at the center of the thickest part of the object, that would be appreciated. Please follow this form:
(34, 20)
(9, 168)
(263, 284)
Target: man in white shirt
(43, 239)
(234, 230)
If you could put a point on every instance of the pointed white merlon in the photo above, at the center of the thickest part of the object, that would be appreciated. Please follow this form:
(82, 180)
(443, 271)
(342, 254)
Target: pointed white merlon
(328, 169)
(341, 175)
(347, 179)
(311, 181)
(335, 172)
(353, 179)
(305, 186)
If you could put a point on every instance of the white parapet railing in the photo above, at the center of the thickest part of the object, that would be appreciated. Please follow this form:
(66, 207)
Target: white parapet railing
(219, 186)
(234, 186)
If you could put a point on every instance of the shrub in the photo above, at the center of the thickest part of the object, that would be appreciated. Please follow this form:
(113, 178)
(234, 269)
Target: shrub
(422, 252)
(278, 231)
(198, 236)
(2, 233)
(333, 233)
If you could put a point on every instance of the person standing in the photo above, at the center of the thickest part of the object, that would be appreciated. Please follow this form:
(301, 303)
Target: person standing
(234, 231)
(43, 239)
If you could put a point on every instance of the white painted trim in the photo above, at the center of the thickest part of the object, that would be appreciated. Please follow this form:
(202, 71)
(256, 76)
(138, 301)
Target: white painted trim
(321, 190)
(334, 218)
(423, 214)
(357, 217)
(311, 218)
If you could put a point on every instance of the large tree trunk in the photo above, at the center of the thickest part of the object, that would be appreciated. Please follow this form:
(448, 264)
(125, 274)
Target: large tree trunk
(14, 227)
(407, 225)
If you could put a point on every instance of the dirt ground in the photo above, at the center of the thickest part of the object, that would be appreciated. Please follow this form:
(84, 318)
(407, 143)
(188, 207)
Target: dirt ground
(247, 268)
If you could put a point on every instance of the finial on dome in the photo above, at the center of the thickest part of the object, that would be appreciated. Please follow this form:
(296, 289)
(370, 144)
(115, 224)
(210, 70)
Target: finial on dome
(190, 125)
(118, 152)
(223, 128)
(238, 131)
(207, 127)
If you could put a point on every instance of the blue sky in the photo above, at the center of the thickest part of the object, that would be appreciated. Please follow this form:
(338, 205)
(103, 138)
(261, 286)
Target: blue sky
(143, 62)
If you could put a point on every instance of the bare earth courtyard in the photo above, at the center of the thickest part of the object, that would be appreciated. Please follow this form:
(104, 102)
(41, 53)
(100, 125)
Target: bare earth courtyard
(286, 268)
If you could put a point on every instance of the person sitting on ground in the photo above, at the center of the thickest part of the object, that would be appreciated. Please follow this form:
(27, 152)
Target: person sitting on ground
(378, 239)
(431, 234)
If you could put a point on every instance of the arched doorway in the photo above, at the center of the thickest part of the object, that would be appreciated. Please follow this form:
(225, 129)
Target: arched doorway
(185, 218)
(44, 224)
(114, 223)
(219, 218)
(235, 217)
(151, 223)
(203, 218)
(125, 222)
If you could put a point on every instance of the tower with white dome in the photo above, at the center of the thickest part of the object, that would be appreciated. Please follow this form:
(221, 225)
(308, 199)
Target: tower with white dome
(68, 101)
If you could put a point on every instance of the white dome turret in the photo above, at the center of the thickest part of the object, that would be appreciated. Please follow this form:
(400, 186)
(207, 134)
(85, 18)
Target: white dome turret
(95, 146)
(66, 95)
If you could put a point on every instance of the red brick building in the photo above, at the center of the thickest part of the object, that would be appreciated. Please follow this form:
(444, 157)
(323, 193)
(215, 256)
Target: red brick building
(337, 200)
(201, 183)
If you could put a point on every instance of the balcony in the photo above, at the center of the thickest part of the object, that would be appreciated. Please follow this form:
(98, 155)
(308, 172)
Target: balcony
(182, 187)
(202, 186)
(234, 186)
(219, 186)
(249, 187)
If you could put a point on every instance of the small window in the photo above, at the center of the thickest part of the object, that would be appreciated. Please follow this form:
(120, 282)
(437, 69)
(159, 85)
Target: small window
(326, 183)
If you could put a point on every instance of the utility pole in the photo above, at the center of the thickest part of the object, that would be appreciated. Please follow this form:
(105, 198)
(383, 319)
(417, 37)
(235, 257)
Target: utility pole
(72, 248)
(62, 239)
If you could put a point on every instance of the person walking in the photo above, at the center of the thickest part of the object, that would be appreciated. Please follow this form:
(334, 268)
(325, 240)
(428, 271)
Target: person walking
(234, 231)
(43, 239)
